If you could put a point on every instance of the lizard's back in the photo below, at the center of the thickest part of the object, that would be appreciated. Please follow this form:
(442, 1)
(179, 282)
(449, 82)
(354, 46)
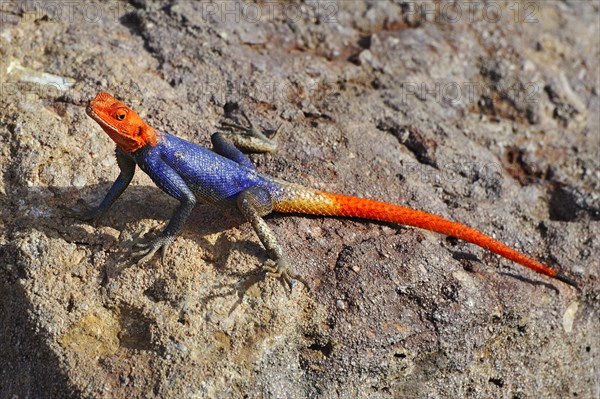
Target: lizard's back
(211, 177)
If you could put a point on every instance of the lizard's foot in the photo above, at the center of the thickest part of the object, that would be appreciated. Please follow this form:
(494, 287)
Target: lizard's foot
(250, 128)
(279, 269)
(91, 215)
(147, 250)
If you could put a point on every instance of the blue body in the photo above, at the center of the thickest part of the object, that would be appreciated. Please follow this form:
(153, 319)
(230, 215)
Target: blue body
(179, 167)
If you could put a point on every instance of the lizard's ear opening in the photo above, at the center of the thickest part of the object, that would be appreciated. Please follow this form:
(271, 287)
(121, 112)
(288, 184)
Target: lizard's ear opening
(148, 135)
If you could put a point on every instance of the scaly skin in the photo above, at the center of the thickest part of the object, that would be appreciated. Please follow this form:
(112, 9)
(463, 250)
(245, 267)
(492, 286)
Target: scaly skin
(227, 178)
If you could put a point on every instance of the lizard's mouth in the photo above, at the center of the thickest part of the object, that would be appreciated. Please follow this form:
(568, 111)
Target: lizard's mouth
(105, 125)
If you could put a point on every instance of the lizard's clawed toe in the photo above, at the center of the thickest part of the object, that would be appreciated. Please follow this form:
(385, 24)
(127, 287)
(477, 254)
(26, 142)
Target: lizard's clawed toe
(91, 215)
(279, 269)
(148, 249)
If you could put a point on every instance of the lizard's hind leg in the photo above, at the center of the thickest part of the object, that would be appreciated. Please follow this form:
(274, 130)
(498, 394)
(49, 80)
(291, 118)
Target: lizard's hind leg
(254, 203)
(223, 145)
(248, 138)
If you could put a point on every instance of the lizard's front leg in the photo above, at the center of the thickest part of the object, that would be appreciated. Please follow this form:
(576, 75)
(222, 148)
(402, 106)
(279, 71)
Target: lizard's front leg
(254, 203)
(170, 182)
(127, 167)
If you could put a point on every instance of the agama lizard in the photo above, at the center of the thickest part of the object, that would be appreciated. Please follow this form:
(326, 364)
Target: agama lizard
(227, 178)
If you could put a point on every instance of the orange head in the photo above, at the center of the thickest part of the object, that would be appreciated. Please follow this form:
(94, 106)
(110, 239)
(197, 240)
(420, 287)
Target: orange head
(121, 123)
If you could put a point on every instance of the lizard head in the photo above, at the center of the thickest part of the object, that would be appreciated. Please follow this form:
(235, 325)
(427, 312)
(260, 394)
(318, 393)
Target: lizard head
(121, 123)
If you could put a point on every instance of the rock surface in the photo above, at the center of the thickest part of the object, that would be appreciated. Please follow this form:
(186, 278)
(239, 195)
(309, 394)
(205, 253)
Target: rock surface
(485, 113)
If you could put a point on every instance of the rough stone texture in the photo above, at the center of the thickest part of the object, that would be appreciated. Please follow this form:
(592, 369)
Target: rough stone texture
(489, 117)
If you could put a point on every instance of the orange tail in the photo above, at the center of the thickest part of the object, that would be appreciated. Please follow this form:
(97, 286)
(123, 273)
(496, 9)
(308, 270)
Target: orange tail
(322, 203)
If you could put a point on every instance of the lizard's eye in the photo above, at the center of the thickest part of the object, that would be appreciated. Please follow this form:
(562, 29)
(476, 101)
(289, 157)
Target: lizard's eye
(120, 115)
